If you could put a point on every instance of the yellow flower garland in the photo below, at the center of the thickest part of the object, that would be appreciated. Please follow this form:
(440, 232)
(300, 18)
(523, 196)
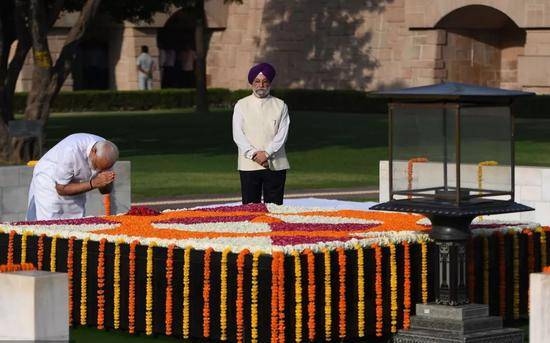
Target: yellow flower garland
(223, 295)
(52, 254)
(24, 246)
(393, 289)
(116, 287)
(149, 291)
(480, 166)
(515, 308)
(254, 298)
(360, 291)
(486, 270)
(83, 281)
(328, 293)
(186, 273)
(543, 248)
(424, 272)
(298, 295)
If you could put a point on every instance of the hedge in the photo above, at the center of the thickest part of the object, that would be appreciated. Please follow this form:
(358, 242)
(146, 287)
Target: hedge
(297, 99)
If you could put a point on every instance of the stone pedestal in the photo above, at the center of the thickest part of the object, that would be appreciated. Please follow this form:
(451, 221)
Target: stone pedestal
(453, 324)
(539, 308)
(34, 306)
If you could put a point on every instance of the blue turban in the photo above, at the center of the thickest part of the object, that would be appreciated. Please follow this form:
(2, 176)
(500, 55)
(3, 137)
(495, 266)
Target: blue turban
(265, 68)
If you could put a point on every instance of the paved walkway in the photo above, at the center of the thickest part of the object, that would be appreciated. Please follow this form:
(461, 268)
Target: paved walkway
(359, 194)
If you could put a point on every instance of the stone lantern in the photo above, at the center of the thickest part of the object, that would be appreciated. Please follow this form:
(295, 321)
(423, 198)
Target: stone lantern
(439, 138)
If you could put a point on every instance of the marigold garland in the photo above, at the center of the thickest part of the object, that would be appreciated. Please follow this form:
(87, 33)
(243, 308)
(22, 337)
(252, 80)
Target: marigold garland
(240, 295)
(410, 164)
(107, 204)
(132, 287)
(254, 298)
(168, 301)
(297, 295)
(480, 166)
(281, 296)
(342, 292)
(116, 287)
(360, 291)
(501, 274)
(10, 246)
(515, 302)
(206, 293)
(393, 289)
(328, 295)
(24, 247)
(40, 254)
(186, 276)
(424, 272)
(310, 294)
(101, 285)
(378, 289)
(406, 286)
(83, 281)
(149, 291)
(53, 251)
(485, 253)
(543, 247)
(8, 268)
(70, 276)
(274, 298)
(530, 251)
(223, 295)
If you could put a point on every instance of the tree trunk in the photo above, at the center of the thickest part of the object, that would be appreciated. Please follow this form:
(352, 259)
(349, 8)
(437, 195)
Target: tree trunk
(4, 51)
(200, 45)
(38, 100)
(38, 107)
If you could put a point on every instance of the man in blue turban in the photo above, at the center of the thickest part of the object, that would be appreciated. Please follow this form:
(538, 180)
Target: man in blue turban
(260, 130)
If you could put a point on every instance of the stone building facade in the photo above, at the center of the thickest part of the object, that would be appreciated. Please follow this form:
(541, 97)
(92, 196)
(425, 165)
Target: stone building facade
(346, 44)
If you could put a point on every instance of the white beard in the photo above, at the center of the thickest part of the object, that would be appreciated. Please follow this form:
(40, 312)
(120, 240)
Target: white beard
(262, 92)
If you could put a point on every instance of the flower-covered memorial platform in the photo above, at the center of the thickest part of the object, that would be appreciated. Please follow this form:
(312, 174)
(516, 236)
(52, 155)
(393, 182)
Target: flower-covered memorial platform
(257, 273)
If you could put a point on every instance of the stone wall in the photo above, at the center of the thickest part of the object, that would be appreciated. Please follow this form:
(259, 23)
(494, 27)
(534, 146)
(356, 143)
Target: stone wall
(532, 188)
(14, 188)
(329, 44)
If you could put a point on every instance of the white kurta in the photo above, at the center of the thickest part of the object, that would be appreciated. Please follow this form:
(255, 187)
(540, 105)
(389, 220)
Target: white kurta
(261, 124)
(67, 162)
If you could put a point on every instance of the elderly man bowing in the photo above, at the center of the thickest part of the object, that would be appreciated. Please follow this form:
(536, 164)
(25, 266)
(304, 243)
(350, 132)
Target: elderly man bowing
(78, 164)
(260, 130)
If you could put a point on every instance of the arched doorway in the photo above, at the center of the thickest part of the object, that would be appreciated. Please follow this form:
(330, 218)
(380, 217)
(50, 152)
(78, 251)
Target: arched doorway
(482, 47)
(177, 57)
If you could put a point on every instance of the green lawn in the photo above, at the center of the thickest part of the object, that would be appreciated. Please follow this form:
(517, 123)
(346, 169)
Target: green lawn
(177, 152)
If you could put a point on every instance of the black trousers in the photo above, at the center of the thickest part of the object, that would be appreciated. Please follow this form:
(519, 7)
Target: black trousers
(269, 182)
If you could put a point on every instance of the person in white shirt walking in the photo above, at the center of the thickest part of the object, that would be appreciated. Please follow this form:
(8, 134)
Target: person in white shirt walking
(260, 130)
(78, 164)
(145, 67)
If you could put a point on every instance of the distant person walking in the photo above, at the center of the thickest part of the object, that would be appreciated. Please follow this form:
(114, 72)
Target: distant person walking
(145, 67)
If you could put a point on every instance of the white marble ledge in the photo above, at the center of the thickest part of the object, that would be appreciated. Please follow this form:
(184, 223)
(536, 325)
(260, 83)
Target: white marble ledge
(34, 306)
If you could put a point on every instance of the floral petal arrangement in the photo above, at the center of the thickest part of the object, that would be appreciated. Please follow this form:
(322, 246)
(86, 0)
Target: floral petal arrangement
(260, 273)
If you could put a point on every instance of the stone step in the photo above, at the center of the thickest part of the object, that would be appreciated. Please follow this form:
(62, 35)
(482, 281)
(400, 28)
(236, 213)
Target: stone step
(452, 312)
(456, 326)
(506, 335)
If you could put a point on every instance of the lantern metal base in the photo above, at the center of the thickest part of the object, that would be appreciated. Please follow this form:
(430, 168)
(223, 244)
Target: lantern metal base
(473, 208)
(452, 324)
